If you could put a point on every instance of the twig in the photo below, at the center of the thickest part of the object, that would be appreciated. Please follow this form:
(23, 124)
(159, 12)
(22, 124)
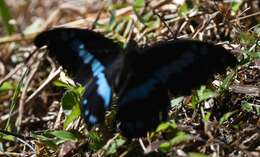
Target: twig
(58, 119)
(24, 93)
(142, 145)
(98, 16)
(13, 154)
(18, 67)
(165, 24)
(105, 147)
(246, 89)
(2, 68)
(20, 138)
(11, 73)
(234, 20)
(16, 135)
(50, 78)
(245, 17)
(76, 23)
(203, 27)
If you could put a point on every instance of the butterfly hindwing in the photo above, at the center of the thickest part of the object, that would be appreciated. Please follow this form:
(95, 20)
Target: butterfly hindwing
(86, 55)
(140, 112)
(174, 66)
(182, 65)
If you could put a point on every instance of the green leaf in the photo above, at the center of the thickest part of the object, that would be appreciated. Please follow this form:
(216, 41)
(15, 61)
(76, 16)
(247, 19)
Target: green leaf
(117, 143)
(96, 141)
(193, 154)
(153, 24)
(4, 137)
(50, 143)
(45, 140)
(70, 104)
(226, 82)
(77, 89)
(69, 99)
(54, 138)
(59, 83)
(235, 5)
(247, 106)
(205, 93)
(162, 127)
(175, 103)
(6, 17)
(183, 10)
(207, 116)
(42, 136)
(165, 147)
(148, 16)
(202, 94)
(258, 111)
(6, 86)
(116, 6)
(74, 114)
(180, 137)
(247, 38)
(226, 116)
(65, 135)
(255, 55)
(65, 82)
(138, 5)
(166, 125)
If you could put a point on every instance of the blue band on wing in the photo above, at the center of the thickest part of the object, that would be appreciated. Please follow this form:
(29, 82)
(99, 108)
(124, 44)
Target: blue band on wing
(98, 70)
(138, 92)
(159, 77)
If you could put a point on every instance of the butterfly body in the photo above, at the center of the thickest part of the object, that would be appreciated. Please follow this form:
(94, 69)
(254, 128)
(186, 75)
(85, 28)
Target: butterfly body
(141, 77)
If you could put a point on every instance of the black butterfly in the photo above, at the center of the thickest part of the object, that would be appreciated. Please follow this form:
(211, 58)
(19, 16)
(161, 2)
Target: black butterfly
(141, 77)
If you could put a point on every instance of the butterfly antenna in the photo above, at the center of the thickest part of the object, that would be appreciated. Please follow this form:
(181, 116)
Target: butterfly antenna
(98, 16)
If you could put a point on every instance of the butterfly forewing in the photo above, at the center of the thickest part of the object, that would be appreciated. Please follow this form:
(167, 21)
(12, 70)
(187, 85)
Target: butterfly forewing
(86, 55)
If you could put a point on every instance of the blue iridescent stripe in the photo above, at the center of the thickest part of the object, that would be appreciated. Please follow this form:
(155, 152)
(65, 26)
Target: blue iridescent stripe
(97, 68)
(160, 76)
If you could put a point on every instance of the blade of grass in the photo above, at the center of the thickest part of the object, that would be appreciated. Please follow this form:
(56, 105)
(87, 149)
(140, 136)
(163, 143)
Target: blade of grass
(6, 16)
(13, 104)
(226, 82)
(14, 100)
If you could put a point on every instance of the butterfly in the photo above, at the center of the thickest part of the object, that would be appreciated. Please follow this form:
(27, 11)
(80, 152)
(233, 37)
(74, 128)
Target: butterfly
(141, 77)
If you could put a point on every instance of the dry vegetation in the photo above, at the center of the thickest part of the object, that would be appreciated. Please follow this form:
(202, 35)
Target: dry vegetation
(220, 122)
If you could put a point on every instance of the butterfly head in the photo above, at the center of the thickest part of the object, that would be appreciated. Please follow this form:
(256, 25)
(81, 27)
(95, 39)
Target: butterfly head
(54, 36)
